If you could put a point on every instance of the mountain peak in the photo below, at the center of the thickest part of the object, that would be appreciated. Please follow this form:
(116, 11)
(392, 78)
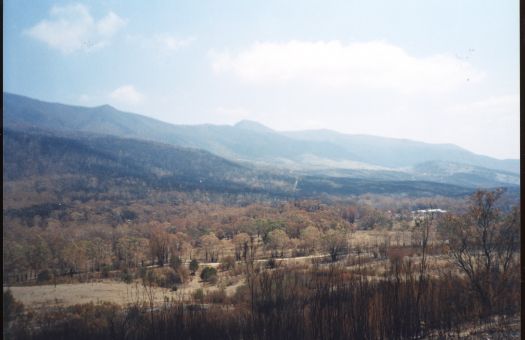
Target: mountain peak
(106, 107)
(253, 126)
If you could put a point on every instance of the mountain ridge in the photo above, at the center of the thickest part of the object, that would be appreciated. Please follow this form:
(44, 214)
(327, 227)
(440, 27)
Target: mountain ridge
(246, 140)
(87, 165)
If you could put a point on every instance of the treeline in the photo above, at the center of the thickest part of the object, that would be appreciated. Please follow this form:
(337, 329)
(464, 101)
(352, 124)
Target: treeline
(68, 236)
(52, 240)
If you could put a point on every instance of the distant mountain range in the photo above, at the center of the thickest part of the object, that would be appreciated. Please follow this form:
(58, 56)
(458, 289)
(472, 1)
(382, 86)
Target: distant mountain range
(319, 153)
(92, 164)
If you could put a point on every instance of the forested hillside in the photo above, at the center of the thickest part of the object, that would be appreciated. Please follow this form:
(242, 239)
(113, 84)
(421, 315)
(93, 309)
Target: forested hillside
(250, 141)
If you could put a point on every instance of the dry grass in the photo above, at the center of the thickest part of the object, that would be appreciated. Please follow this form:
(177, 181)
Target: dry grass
(45, 296)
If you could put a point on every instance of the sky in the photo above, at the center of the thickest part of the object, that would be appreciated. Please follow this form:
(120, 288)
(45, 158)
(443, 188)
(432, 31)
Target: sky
(443, 71)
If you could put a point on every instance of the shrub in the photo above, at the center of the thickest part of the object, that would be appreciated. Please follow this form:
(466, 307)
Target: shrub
(194, 265)
(209, 274)
(44, 276)
(173, 277)
(198, 295)
(126, 276)
(216, 296)
(105, 271)
(227, 263)
(184, 274)
(163, 277)
(175, 262)
(242, 293)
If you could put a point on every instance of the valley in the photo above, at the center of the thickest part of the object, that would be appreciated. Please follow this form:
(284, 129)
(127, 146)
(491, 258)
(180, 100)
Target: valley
(110, 226)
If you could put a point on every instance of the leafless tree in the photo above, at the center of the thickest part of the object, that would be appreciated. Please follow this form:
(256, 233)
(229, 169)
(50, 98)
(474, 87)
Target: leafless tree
(484, 244)
(334, 242)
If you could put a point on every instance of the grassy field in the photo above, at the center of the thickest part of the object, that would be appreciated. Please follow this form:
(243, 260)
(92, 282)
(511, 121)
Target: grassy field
(61, 295)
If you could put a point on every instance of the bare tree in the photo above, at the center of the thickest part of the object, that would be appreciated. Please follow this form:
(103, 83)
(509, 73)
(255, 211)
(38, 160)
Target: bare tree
(159, 245)
(241, 242)
(210, 243)
(422, 232)
(310, 237)
(334, 242)
(485, 247)
(277, 241)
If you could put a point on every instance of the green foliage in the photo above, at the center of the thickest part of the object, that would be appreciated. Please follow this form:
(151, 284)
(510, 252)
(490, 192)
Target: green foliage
(209, 274)
(194, 265)
(264, 227)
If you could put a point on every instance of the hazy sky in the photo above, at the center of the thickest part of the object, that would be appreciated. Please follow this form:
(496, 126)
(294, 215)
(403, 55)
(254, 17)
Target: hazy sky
(443, 71)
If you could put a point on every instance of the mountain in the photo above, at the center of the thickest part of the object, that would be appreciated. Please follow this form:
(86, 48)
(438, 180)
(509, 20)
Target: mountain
(33, 153)
(244, 142)
(87, 164)
(401, 153)
(316, 152)
(464, 175)
(253, 126)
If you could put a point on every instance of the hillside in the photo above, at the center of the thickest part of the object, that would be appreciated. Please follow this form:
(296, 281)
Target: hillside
(464, 175)
(154, 165)
(249, 141)
(226, 141)
(401, 153)
(142, 166)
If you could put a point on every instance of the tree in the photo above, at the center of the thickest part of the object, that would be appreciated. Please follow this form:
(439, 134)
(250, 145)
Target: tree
(423, 228)
(484, 245)
(310, 238)
(210, 243)
(38, 255)
(159, 245)
(264, 227)
(209, 274)
(194, 265)
(334, 242)
(15, 260)
(372, 218)
(241, 245)
(349, 214)
(175, 262)
(180, 245)
(277, 241)
(123, 251)
(98, 250)
(227, 263)
(74, 257)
